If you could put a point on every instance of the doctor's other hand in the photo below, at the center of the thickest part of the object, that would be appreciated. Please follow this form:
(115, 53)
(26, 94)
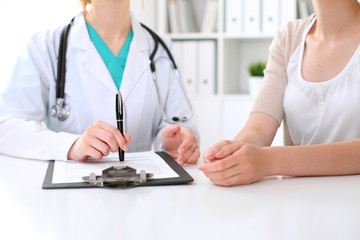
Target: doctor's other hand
(230, 163)
(180, 144)
(97, 141)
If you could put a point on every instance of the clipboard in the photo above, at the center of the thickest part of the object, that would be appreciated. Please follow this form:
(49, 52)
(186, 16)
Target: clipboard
(183, 178)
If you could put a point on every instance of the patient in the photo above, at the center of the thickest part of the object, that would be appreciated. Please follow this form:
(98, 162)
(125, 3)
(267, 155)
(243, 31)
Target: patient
(312, 83)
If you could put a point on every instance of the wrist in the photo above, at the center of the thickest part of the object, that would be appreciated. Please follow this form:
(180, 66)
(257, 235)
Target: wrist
(162, 148)
(270, 162)
(71, 154)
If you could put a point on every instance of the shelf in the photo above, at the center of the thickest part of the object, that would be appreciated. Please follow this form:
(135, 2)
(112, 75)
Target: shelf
(233, 50)
(225, 64)
(246, 36)
(194, 36)
(214, 36)
(237, 96)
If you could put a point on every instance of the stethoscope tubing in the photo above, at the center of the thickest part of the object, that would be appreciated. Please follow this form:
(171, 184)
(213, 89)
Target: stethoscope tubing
(62, 111)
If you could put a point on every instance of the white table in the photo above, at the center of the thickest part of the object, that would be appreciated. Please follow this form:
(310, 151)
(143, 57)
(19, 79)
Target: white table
(275, 208)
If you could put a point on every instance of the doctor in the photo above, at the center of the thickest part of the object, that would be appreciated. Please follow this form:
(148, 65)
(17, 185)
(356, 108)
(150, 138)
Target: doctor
(107, 35)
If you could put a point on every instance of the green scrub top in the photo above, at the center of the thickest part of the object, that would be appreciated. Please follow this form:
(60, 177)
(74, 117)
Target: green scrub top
(115, 64)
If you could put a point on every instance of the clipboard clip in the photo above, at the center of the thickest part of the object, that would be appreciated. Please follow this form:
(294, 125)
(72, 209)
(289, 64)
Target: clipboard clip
(118, 177)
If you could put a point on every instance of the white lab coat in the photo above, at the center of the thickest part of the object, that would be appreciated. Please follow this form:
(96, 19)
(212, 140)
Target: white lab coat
(26, 127)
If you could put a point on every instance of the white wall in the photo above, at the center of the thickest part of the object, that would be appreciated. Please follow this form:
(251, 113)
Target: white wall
(20, 19)
(146, 11)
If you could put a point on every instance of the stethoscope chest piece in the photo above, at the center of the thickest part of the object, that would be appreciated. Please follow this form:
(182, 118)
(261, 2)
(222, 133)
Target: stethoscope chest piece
(60, 110)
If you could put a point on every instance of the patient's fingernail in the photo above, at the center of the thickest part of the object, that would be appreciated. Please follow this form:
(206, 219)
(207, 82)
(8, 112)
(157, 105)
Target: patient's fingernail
(125, 147)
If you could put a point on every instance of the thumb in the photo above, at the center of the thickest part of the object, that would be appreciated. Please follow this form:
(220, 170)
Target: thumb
(127, 137)
(171, 131)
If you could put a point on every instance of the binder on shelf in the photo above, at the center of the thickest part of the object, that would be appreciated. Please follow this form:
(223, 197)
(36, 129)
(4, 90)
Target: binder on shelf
(233, 16)
(186, 17)
(251, 16)
(210, 15)
(196, 60)
(186, 52)
(174, 16)
(270, 16)
(206, 67)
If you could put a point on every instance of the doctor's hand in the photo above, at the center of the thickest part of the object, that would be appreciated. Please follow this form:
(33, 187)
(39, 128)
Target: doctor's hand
(230, 163)
(180, 144)
(97, 141)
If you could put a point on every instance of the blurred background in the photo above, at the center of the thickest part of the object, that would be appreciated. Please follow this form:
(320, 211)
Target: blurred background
(216, 43)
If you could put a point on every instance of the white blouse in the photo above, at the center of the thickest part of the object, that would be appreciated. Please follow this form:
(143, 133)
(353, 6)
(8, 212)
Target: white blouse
(322, 112)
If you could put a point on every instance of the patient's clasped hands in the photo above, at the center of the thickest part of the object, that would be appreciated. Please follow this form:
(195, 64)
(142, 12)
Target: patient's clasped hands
(229, 163)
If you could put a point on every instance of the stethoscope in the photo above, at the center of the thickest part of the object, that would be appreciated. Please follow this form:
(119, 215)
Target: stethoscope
(62, 111)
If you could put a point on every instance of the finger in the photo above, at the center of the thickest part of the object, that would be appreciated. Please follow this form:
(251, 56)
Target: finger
(99, 145)
(128, 138)
(237, 177)
(188, 146)
(92, 152)
(194, 157)
(104, 136)
(210, 153)
(231, 181)
(229, 149)
(88, 151)
(119, 138)
(186, 153)
(225, 174)
(171, 131)
(189, 142)
(217, 166)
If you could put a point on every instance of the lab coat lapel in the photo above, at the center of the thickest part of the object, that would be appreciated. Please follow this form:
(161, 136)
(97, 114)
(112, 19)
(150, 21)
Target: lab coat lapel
(138, 60)
(94, 64)
(91, 59)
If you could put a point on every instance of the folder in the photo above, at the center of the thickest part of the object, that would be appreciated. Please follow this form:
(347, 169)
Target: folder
(270, 16)
(187, 55)
(252, 17)
(187, 17)
(210, 16)
(174, 16)
(206, 67)
(183, 176)
(233, 16)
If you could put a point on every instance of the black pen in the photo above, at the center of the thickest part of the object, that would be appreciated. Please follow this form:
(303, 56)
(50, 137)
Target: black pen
(120, 121)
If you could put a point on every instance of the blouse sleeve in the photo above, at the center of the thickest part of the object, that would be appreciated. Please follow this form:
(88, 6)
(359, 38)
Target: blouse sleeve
(270, 98)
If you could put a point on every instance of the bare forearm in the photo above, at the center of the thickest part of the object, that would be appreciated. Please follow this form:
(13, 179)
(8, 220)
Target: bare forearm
(341, 158)
(252, 136)
(259, 130)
